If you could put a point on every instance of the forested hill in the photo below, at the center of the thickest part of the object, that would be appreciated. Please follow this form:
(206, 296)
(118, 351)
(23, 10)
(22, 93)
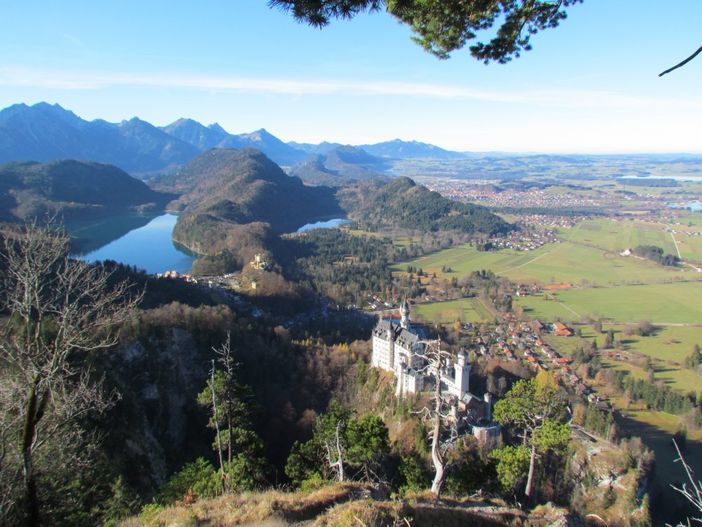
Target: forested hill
(234, 200)
(70, 189)
(403, 203)
(243, 186)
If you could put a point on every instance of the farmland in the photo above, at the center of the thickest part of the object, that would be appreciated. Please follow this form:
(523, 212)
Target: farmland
(674, 303)
(466, 309)
(615, 236)
(598, 283)
(566, 262)
(604, 284)
(584, 278)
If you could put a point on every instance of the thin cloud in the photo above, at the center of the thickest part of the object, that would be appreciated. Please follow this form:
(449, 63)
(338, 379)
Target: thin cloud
(63, 80)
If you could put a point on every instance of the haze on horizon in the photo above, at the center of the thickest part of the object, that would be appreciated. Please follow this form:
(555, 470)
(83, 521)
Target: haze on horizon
(589, 86)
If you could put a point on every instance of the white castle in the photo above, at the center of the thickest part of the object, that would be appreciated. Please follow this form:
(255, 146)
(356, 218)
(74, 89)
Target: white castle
(397, 348)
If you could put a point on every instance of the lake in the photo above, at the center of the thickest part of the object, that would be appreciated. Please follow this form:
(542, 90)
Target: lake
(694, 206)
(142, 241)
(676, 177)
(328, 224)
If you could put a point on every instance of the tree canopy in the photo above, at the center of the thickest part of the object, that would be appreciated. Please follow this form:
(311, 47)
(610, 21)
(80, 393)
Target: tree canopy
(444, 26)
(533, 409)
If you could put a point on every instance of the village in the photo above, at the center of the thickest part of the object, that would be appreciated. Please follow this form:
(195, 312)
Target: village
(530, 197)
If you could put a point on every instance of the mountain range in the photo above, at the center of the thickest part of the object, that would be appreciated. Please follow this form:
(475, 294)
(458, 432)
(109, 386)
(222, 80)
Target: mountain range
(45, 132)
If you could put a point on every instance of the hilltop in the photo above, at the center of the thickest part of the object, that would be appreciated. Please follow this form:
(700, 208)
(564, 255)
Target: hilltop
(70, 189)
(243, 186)
(403, 203)
(340, 165)
(214, 136)
(399, 149)
(237, 200)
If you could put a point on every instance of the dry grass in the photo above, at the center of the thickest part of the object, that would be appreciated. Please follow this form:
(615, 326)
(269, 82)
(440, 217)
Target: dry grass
(345, 505)
(421, 510)
(340, 505)
(270, 509)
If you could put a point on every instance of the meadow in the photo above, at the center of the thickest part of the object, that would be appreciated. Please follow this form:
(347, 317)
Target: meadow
(667, 347)
(673, 303)
(588, 255)
(617, 235)
(465, 309)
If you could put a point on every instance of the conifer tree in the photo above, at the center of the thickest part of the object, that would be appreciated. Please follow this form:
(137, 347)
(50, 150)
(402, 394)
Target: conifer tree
(533, 409)
(242, 465)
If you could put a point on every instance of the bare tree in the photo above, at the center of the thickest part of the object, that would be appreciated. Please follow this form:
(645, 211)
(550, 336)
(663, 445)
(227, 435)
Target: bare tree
(693, 493)
(58, 311)
(443, 434)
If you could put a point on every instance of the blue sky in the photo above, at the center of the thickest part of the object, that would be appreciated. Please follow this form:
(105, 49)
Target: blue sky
(590, 85)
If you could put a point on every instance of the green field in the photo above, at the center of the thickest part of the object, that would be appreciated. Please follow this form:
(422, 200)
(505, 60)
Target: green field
(554, 263)
(669, 346)
(615, 236)
(465, 309)
(675, 303)
(588, 256)
(693, 218)
(690, 248)
(670, 343)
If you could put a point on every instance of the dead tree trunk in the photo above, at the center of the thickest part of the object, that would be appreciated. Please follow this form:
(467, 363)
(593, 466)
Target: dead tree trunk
(530, 478)
(437, 459)
(337, 465)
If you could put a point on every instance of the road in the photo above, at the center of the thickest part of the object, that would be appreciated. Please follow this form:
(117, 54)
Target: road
(677, 249)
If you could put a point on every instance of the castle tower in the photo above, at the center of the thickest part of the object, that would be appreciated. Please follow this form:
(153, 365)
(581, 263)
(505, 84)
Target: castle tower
(488, 406)
(405, 314)
(391, 347)
(461, 370)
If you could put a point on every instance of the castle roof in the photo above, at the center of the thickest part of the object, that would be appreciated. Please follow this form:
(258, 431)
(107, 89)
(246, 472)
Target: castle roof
(402, 336)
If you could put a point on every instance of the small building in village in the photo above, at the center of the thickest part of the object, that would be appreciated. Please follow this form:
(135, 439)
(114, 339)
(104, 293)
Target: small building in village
(561, 330)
